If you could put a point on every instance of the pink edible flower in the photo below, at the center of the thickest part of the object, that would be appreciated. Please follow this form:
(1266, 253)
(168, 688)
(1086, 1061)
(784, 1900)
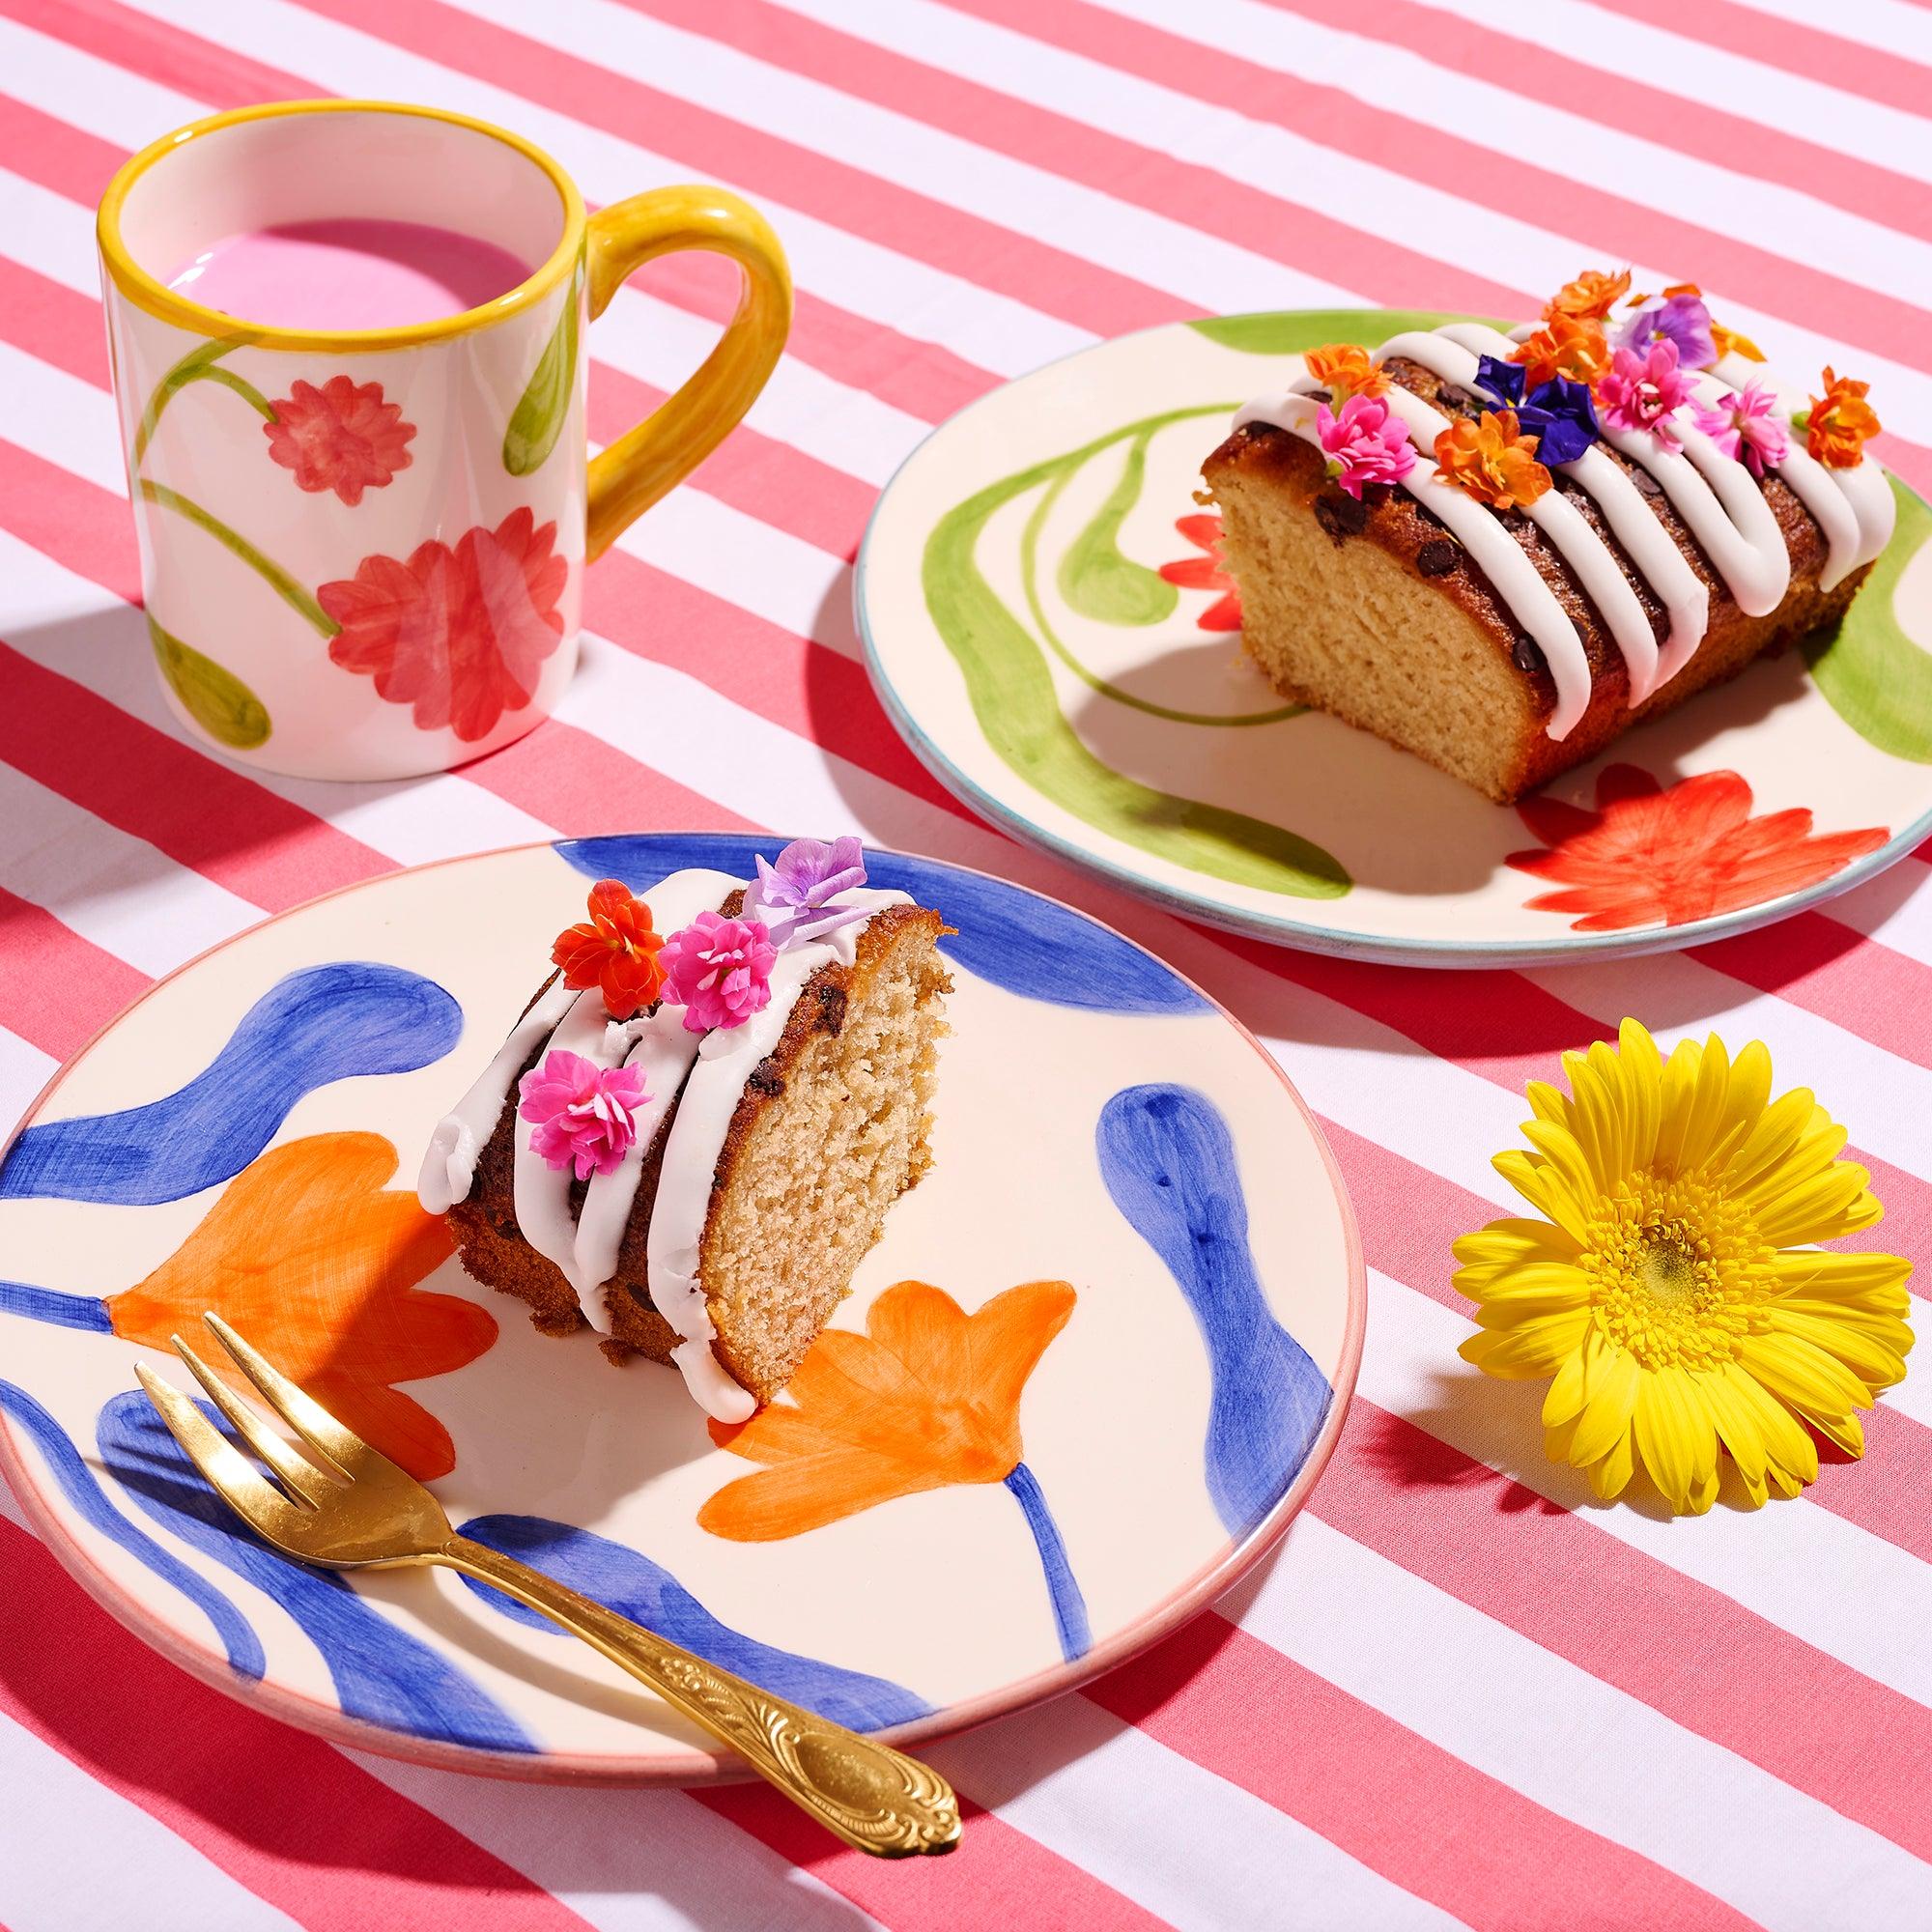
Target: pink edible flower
(1640, 391)
(585, 1115)
(1366, 443)
(719, 970)
(1743, 426)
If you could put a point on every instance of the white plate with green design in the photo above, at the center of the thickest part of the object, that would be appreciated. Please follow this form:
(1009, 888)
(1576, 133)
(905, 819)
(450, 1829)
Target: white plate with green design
(1045, 621)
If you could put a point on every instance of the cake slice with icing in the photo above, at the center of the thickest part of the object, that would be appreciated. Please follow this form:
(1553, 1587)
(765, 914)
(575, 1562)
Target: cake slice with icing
(692, 1136)
(1500, 551)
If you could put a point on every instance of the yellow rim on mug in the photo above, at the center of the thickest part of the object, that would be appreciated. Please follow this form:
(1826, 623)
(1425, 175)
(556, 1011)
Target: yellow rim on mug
(158, 299)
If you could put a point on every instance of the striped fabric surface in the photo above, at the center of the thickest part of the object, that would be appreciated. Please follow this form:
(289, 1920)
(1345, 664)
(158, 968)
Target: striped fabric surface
(1459, 1695)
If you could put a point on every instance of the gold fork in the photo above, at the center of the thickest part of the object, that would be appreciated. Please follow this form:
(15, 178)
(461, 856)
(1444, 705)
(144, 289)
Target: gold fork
(353, 1508)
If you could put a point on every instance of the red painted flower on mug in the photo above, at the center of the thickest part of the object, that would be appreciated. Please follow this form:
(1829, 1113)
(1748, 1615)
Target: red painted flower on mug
(1204, 573)
(342, 436)
(458, 635)
(1648, 856)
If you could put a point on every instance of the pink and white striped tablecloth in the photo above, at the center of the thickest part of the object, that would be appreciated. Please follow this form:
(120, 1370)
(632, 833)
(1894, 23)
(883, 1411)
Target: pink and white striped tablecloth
(1460, 1696)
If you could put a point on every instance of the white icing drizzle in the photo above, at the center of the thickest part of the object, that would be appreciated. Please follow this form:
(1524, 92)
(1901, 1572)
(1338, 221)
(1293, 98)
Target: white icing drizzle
(449, 1166)
(725, 1060)
(1596, 568)
(1716, 497)
(1649, 546)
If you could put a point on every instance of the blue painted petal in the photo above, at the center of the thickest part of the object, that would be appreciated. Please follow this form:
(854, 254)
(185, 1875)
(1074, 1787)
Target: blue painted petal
(1070, 1604)
(382, 1674)
(633, 1586)
(85, 1494)
(1006, 935)
(50, 1304)
(324, 1023)
(1168, 1162)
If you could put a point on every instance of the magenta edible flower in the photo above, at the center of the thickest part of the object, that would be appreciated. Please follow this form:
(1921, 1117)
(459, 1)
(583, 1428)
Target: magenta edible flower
(584, 1116)
(1682, 319)
(802, 889)
(1743, 426)
(719, 970)
(1366, 443)
(1640, 391)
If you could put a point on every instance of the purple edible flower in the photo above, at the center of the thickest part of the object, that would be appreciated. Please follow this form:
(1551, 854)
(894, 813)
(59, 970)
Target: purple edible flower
(1558, 413)
(1683, 319)
(1502, 379)
(804, 886)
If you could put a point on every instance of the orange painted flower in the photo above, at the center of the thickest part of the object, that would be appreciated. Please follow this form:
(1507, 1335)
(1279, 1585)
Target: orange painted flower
(315, 1262)
(616, 949)
(1840, 422)
(927, 1397)
(1566, 345)
(1647, 856)
(342, 436)
(1590, 298)
(1346, 369)
(1492, 460)
(1206, 573)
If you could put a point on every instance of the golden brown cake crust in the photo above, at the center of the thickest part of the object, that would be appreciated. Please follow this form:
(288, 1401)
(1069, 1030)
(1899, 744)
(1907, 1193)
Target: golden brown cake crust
(491, 1246)
(1259, 465)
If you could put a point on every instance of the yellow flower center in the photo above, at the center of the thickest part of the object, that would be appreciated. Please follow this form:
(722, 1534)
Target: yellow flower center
(1678, 1270)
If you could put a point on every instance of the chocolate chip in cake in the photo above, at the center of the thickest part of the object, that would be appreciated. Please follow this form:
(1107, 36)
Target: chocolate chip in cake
(1644, 480)
(1439, 557)
(1528, 657)
(1339, 514)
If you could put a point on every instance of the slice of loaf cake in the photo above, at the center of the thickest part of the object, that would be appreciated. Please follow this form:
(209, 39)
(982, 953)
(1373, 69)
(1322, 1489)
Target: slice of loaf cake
(1500, 552)
(688, 1144)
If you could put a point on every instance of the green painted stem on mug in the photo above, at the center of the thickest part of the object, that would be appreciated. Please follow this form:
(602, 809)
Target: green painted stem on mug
(1030, 580)
(271, 573)
(197, 367)
(213, 696)
(1012, 697)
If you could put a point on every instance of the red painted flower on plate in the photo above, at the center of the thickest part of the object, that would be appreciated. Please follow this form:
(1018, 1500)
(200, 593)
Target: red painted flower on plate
(342, 436)
(460, 635)
(1204, 573)
(1648, 856)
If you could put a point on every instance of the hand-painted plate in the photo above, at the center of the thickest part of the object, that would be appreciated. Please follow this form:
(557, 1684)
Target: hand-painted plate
(1130, 1215)
(1045, 620)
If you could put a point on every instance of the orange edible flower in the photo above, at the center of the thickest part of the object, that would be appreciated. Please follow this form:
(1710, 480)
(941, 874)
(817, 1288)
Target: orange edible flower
(1683, 289)
(1566, 345)
(1840, 421)
(1729, 342)
(1492, 460)
(1590, 298)
(927, 1397)
(1345, 369)
(616, 951)
(317, 1262)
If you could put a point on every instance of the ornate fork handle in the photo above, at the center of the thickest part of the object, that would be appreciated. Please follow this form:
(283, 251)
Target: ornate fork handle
(875, 1799)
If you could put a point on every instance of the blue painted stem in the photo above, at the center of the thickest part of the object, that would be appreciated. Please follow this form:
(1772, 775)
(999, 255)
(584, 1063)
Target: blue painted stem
(1070, 1607)
(49, 1304)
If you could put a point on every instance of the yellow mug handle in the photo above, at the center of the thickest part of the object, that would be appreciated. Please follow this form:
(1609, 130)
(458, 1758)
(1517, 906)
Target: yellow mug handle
(633, 472)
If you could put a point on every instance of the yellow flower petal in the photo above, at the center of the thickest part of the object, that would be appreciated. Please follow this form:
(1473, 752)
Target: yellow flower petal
(1865, 1353)
(1814, 1383)
(1612, 1403)
(1822, 1208)
(1611, 1473)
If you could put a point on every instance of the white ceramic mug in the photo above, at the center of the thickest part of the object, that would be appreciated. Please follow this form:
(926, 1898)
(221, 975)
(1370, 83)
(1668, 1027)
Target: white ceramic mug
(336, 599)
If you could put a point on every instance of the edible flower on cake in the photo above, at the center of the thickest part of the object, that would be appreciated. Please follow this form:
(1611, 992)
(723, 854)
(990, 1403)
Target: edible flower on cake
(709, 1128)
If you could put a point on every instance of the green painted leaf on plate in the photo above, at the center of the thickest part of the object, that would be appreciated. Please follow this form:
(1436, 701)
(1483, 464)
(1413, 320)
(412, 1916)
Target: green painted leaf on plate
(539, 416)
(1878, 680)
(1289, 331)
(1096, 578)
(217, 699)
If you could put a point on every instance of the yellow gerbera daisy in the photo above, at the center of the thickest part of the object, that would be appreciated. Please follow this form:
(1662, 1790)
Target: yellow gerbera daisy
(1670, 1292)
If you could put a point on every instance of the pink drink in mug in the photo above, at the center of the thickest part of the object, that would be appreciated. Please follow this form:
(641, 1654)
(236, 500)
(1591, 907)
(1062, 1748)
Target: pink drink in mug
(347, 340)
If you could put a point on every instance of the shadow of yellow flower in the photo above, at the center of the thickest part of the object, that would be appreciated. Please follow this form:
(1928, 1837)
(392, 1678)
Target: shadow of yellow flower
(927, 1397)
(314, 1262)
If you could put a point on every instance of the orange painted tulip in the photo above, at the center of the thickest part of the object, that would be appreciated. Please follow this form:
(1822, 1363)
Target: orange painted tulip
(927, 1397)
(317, 1264)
